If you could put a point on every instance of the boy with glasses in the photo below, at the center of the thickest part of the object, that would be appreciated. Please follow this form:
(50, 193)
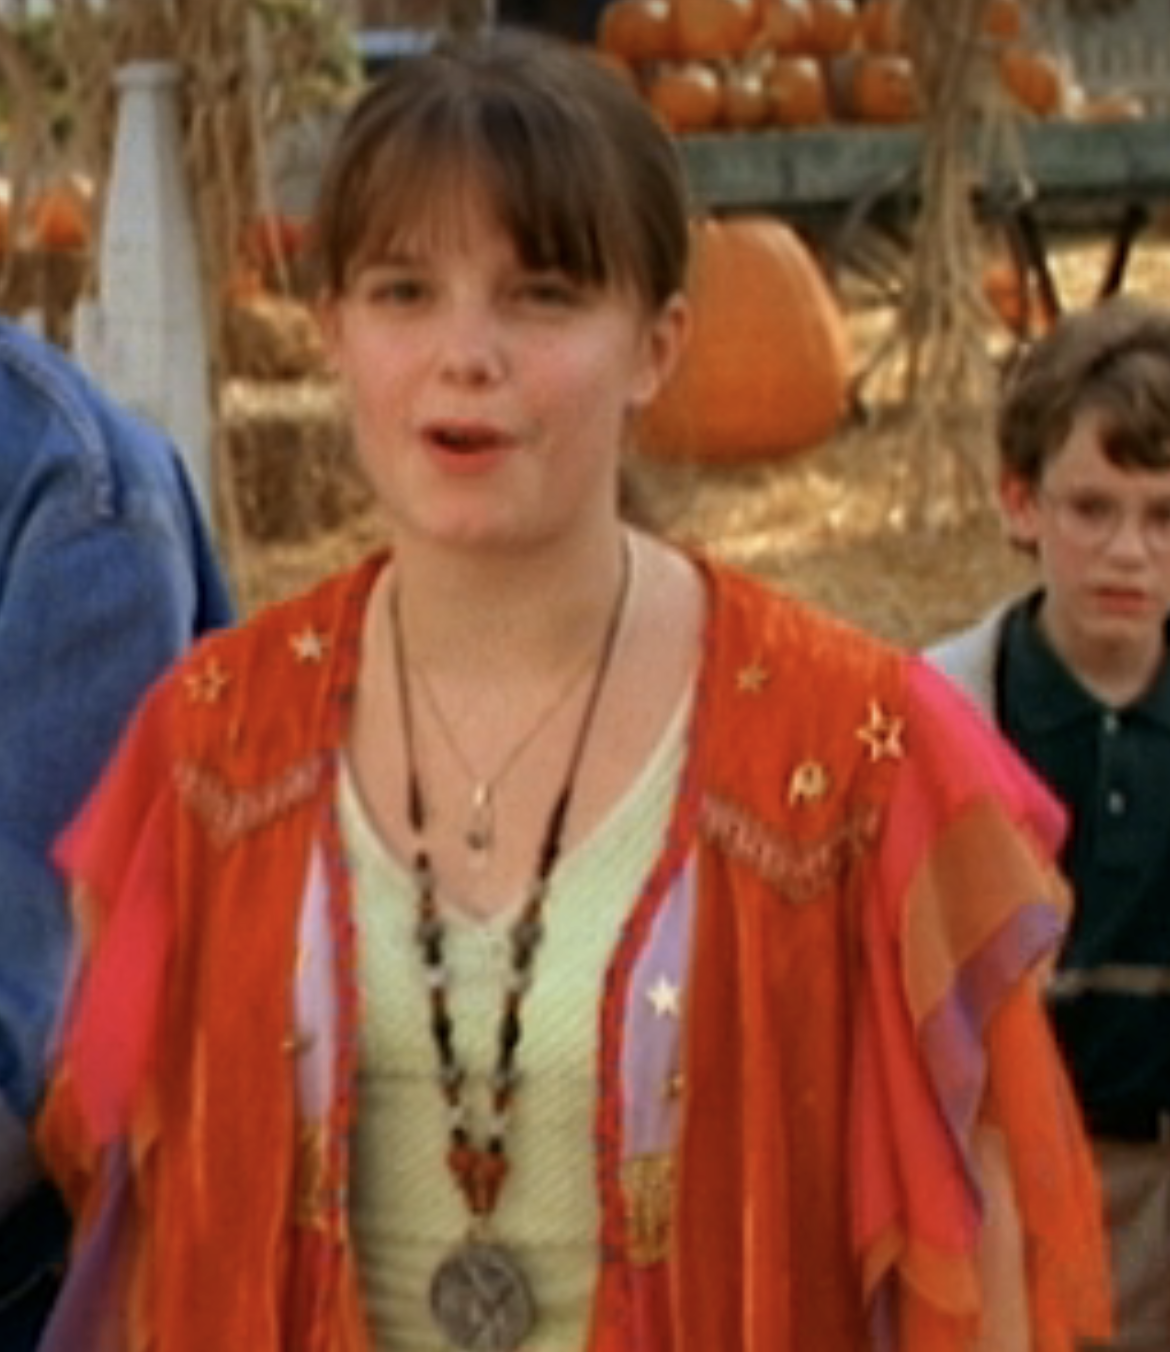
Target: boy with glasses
(1076, 676)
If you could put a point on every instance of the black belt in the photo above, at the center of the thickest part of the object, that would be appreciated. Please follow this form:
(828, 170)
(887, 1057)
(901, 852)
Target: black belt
(1135, 1125)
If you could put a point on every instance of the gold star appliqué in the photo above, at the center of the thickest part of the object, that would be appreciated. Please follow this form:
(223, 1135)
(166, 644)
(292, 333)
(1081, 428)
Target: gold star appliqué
(809, 783)
(882, 734)
(751, 680)
(663, 995)
(206, 685)
(309, 645)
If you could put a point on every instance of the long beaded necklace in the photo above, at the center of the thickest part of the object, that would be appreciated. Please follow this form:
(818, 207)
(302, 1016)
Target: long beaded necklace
(480, 1298)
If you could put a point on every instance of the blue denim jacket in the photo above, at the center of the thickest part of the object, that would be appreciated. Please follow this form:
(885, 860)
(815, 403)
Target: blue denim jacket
(106, 574)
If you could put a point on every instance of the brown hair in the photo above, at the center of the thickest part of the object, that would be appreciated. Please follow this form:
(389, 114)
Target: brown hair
(1112, 360)
(583, 177)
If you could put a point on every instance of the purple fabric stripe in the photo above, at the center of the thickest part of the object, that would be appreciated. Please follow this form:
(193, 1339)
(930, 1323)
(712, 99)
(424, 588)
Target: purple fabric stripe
(85, 1317)
(952, 1034)
(316, 999)
(651, 1051)
(881, 1317)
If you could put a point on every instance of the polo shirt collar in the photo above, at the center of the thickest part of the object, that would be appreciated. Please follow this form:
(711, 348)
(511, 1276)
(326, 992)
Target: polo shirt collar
(1046, 694)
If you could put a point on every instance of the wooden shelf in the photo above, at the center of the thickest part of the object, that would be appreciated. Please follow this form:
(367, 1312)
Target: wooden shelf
(826, 169)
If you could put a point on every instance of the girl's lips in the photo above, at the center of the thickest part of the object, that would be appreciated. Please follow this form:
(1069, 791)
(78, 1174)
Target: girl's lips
(465, 438)
(465, 448)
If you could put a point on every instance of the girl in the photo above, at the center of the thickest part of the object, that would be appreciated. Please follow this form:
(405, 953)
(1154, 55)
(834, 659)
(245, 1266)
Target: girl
(541, 938)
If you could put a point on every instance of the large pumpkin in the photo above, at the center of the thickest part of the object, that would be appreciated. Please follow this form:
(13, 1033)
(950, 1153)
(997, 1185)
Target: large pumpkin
(766, 372)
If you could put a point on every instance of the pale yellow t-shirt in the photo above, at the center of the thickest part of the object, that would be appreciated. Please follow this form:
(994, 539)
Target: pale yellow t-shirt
(407, 1213)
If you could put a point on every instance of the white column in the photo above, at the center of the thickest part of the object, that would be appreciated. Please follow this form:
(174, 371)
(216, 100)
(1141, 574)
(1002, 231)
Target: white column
(145, 340)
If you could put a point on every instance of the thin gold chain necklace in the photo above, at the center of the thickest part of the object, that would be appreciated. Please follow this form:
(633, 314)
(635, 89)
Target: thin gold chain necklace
(480, 1297)
(479, 833)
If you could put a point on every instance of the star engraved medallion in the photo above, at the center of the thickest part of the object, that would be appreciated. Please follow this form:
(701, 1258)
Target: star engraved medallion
(309, 645)
(664, 996)
(751, 680)
(882, 734)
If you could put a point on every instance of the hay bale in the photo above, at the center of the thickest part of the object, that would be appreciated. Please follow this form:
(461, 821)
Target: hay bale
(269, 337)
(289, 460)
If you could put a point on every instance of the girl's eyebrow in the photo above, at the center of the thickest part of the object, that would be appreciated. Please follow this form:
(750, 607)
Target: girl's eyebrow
(398, 257)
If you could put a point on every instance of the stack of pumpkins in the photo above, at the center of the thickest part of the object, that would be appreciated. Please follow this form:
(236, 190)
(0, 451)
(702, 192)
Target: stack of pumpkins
(743, 64)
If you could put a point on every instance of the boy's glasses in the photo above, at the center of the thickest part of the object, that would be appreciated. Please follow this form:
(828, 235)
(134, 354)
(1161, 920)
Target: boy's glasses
(1091, 521)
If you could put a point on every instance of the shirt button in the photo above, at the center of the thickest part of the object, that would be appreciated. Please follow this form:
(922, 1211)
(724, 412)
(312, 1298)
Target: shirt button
(1115, 802)
(1110, 722)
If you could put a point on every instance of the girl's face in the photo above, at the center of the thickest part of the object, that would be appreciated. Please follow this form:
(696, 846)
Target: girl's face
(1102, 538)
(489, 401)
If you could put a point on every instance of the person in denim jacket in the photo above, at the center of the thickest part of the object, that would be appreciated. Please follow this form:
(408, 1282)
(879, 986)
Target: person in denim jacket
(106, 575)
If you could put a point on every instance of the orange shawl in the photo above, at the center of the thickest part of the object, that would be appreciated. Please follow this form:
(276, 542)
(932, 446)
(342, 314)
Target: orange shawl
(871, 891)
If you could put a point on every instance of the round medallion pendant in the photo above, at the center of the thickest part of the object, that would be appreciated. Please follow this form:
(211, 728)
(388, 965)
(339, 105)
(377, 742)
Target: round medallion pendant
(481, 1301)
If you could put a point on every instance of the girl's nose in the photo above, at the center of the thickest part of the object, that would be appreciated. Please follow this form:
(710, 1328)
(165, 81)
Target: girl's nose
(472, 351)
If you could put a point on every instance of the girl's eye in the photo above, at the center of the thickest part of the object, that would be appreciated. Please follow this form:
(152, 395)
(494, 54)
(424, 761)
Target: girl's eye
(392, 289)
(553, 291)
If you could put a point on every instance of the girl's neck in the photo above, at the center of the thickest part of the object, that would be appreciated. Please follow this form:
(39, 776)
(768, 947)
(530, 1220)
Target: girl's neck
(495, 613)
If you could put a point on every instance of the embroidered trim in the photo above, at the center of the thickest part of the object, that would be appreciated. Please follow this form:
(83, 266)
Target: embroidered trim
(801, 871)
(648, 1188)
(230, 813)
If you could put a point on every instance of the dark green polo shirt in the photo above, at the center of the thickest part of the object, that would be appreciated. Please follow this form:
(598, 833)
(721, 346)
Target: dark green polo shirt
(1111, 767)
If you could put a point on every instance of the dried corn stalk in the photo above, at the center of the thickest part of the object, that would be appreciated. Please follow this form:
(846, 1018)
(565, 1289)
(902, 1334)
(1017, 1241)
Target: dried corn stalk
(948, 378)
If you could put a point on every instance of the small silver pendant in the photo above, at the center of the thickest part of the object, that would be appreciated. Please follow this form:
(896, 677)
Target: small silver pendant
(480, 835)
(480, 1299)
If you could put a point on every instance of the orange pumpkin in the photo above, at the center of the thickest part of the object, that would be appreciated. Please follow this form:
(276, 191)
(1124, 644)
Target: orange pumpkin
(833, 26)
(713, 28)
(767, 369)
(880, 27)
(637, 30)
(687, 96)
(784, 27)
(883, 88)
(61, 215)
(747, 101)
(1034, 79)
(799, 95)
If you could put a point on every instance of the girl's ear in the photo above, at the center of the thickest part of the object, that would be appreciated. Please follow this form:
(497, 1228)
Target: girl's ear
(1021, 511)
(663, 341)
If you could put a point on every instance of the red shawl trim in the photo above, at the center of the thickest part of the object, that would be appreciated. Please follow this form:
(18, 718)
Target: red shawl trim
(968, 906)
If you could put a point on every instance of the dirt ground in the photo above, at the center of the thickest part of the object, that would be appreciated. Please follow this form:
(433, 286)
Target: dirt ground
(825, 525)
